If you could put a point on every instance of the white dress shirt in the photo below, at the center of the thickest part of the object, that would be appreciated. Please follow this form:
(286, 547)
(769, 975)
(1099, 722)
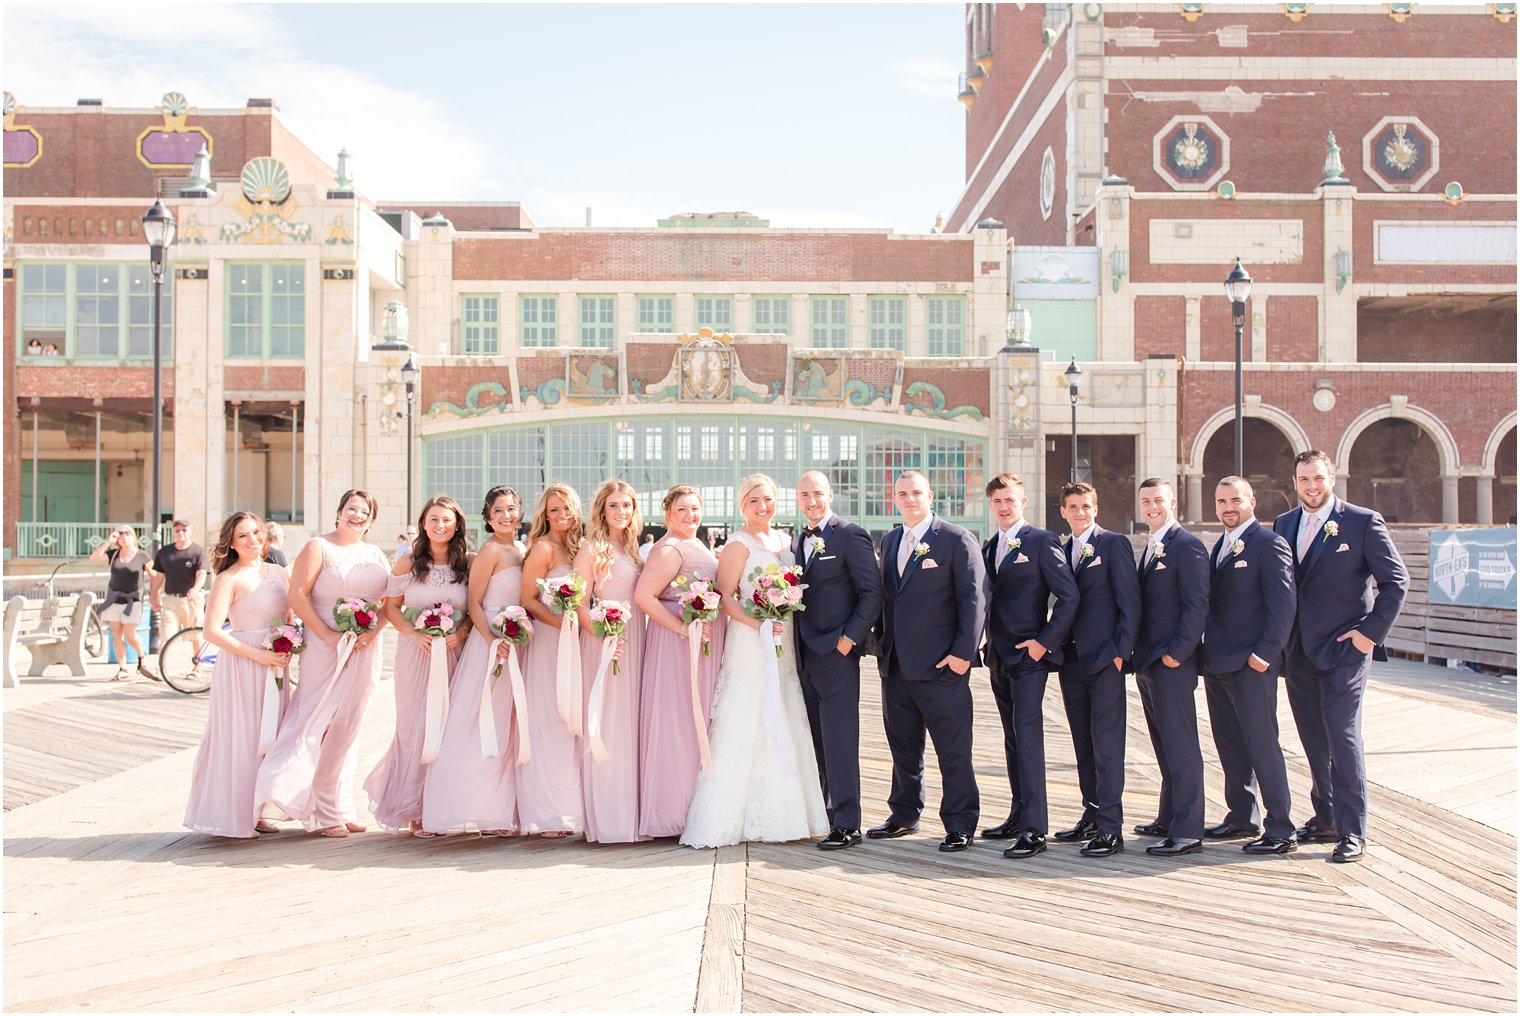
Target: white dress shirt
(807, 549)
(911, 539)
(1006, 536)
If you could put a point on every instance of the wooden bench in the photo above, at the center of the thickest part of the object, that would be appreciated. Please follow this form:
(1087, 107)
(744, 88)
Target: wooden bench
(52, 631)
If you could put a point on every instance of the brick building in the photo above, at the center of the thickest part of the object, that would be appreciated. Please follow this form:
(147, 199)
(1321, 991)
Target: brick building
(1115, 165)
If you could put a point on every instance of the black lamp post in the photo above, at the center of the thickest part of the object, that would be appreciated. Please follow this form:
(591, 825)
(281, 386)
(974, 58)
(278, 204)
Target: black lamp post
(1073, 389)
(1237, 286)
(409, 375)
(158, 228)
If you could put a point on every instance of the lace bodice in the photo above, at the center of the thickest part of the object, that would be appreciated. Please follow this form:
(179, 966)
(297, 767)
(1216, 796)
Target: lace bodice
(620, 580)
(439, 587)
(777, 550)
(360, 569)
(697, 562)
(263, 606)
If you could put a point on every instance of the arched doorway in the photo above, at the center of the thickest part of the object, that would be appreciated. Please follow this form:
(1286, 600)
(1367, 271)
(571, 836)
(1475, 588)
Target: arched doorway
(1504, 481)
(1395, 469)
(1267, 462)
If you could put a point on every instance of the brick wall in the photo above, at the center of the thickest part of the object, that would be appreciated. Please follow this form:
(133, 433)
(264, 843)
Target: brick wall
(648, 361)
(79, 224)
(763, 364)
(1160, 326)
(72, 382)
(1216, 331)
(1017, 48)
(264, 377)
(963, 386)
(1293, 329)
(1310, 213)
(1322, 33)
(1369, 213)
(1017, 202)
(450, 383)
(1436, 335)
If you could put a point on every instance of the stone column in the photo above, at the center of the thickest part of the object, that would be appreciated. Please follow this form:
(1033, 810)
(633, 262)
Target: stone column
(1337, 333)
(1194, 506)
(1449, 499)
(1485, 500)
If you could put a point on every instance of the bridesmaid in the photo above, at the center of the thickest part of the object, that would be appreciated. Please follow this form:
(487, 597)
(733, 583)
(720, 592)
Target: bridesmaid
(609, 563)
(549, 786)
(435, 570)
(465, 791)
(252, 593)
(670, 756)
(302, 773)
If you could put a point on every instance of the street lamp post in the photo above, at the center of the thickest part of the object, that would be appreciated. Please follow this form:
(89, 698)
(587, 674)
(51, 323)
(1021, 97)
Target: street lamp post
(409, 375)
(158, 228)
(1237, 286)
(1073, 389)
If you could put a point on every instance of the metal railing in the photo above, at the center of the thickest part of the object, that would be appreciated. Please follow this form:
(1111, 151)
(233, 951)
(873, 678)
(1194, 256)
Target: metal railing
(73, 539)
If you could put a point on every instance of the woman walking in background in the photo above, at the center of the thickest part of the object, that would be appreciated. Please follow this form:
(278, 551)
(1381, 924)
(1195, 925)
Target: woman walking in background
(123, 603)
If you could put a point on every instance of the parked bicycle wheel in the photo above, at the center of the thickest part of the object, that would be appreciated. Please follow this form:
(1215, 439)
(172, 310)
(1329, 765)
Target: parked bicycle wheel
(179, 665)
(94, 637)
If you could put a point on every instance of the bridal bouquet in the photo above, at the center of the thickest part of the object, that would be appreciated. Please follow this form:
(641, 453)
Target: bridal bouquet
(609, 620)
(284, 638)
(778, 592)
(356, 616)
(437, 621)
(511, 624)
(562, 595)
(700, 602)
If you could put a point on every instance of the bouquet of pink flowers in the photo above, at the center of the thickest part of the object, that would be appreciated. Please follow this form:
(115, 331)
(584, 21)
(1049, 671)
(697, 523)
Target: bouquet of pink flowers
(609, 620)
(437, 620)
(511, 624)
(284, 638)
(700, 602)
(562, 595)
(778, 592)
(356, 615)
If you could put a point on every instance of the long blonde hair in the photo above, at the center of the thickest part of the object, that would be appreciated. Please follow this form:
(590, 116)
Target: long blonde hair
(540, 527)
(599, 535)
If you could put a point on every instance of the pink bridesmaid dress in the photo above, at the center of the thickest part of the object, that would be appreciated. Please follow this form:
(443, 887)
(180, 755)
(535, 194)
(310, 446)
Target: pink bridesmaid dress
(302, 774)
(549, 786)
(221, 784)
(669, 755)
(610, 789)
(465, 791)
(395, 785)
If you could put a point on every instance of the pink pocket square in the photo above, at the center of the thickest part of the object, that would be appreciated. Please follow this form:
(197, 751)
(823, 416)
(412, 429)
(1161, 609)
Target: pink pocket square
(1095, 562)
(1160, 566)
(1342, 549)
(1241, 564)
(929, 562)
(1021, 559)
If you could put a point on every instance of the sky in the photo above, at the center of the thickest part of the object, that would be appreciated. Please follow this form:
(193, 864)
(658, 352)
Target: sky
(808, 115)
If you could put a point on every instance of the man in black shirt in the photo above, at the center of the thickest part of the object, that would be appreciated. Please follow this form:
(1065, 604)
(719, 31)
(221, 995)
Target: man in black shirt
(181, 572)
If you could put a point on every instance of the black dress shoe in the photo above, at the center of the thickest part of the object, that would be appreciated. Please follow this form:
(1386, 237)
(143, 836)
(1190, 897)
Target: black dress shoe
(1028, 844)
(1151, 829)
(1314, 834)
(838, 839)
(890, 830)
(1348, 850)
(955, 841)
(1271, 845)
(1171, 847)
(1229, 831)
(1103, 844)
(1083, 830)
(1007, 831)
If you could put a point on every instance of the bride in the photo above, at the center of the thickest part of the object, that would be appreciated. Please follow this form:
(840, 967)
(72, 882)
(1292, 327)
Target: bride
(763, 781)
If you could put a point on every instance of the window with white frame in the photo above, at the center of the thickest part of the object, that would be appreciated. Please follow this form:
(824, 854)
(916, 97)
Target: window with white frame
(888, 322)
(715, 312)
(97, 309)
(772, 315)
(946, 320)
(266, 309)
(831, 322)
(657, 314)
(598, 321)
(538, 320)
(479, 323)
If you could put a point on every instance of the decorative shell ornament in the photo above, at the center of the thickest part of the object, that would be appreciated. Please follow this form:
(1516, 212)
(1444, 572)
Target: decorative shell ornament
(266, 179)
(175, 104)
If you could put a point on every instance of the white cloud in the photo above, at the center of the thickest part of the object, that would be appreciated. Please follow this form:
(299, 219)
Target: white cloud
(928, 76)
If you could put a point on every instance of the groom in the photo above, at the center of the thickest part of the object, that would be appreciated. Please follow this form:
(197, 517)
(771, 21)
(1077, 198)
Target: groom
(842, 600)
(931, 623)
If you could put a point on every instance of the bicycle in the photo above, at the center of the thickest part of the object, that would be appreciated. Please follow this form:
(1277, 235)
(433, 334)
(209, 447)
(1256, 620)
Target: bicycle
(181, 667)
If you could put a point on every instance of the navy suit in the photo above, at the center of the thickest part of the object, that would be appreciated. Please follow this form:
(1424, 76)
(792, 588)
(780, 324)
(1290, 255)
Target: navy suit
(843, 597)
(1174, 595)
(933, 610)
(1326, 678)
(1019, 609)
(1251, 604)
(1092, 688)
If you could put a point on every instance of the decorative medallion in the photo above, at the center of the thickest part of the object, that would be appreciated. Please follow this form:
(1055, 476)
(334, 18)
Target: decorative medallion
(1400, 154)
(1324, 400)
(265, 179)
(172, 145)
(266, 206)
(1191, 153)
(1047, 183)
(23, 145)
(706, 365)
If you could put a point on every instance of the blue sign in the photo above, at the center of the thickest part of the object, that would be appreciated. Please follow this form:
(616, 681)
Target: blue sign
(1473, 567)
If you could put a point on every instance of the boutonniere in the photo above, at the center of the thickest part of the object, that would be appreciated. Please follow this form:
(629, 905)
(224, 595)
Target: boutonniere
(1332, 528)
(1237, 548)
(1159, 552)
(1014, 544)
(1087, 551)
(816, 545)
(920, 550)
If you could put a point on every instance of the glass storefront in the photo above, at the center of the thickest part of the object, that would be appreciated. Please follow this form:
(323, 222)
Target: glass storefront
(712, 453)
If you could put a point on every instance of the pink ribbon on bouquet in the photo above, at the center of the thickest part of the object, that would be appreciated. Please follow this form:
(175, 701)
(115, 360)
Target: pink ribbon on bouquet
(567, 674)
(597, 748)
(346, 644)
(269, 712)
(437, 708)
(694, 653)
(490, 741)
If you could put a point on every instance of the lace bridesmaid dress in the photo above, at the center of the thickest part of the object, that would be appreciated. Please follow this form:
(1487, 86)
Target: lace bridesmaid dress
(611, 788)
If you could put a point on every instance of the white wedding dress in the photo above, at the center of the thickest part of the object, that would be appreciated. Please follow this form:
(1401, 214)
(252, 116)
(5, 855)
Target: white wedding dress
(763, 781)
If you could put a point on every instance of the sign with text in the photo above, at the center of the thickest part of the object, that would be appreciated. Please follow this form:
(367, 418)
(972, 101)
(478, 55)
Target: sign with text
(1473, 567)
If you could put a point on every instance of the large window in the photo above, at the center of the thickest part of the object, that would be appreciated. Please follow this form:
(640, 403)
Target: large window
(713, 453)
(657, 314)
(946, 318)
(598, 321)
(831, 322)
(95, 309)
(539, 320)
(715, 312)
(266, 309)
(480, 324)
(889, 322)
(772, 315)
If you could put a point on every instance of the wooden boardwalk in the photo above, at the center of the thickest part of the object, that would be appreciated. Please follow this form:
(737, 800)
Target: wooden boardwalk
(110, 905)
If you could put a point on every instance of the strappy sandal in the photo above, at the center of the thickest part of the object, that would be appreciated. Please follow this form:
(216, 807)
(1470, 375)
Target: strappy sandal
(355, 827)
(336, 832)
(265, 826)
(121, 674)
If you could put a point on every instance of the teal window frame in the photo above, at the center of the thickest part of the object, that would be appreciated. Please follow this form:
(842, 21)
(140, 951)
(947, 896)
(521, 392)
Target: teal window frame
(268, 320)
(713, 311)
(597, 320)
(771, 315)
(479, 324)
(655, 314)
(829, 322)
(888, 320)
(945, 326)
(51, 295)
(538, 320)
